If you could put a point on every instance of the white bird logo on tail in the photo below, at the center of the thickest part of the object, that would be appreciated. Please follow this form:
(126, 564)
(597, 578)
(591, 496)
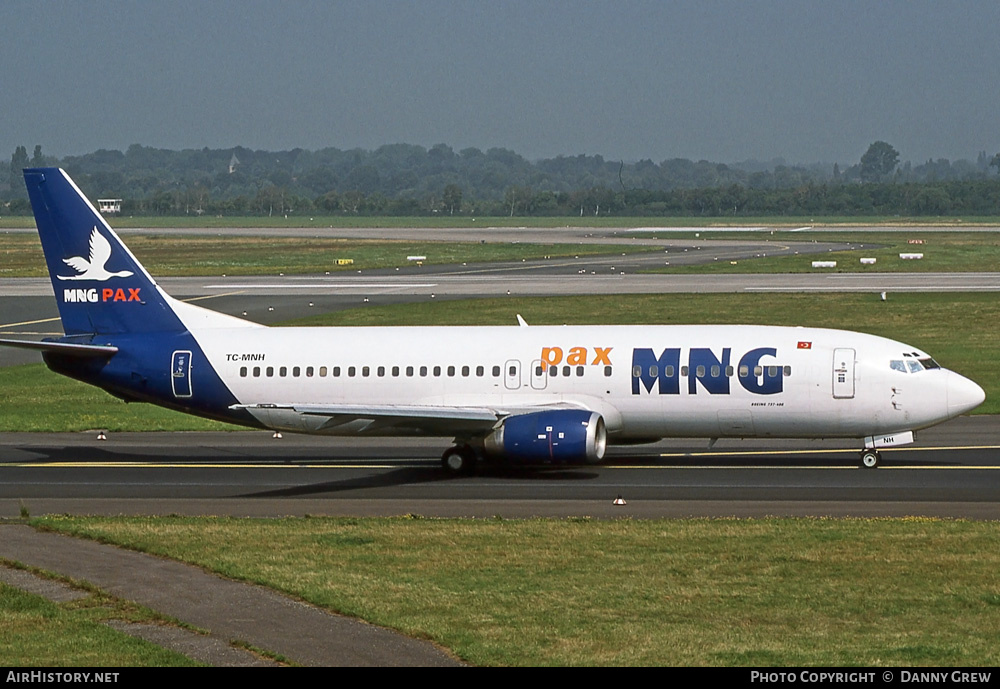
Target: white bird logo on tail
(93, 269)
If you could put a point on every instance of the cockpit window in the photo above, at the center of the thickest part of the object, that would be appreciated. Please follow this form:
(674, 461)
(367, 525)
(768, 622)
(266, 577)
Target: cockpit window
(913, 365)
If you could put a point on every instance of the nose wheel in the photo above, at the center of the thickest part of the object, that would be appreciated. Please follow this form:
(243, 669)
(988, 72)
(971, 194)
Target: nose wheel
(870, 459)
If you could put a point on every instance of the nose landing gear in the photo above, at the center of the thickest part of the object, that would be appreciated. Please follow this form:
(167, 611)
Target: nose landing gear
(870, 459)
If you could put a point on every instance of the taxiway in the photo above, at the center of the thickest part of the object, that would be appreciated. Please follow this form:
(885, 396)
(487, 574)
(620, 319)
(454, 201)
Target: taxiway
(250, 473)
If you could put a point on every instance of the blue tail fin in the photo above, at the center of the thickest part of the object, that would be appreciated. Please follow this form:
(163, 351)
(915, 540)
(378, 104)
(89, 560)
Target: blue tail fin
(100, 287)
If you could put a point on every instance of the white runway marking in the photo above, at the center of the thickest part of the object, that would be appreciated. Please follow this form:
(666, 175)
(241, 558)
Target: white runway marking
(366, 285)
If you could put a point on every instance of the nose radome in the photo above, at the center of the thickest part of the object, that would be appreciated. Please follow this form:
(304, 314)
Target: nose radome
(963, 394)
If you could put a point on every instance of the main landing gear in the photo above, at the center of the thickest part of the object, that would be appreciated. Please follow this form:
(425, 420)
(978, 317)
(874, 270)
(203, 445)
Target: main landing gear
(459, 460)
(870, 459)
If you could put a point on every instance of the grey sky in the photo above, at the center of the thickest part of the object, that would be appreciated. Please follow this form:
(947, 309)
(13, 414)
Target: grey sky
(723, 81)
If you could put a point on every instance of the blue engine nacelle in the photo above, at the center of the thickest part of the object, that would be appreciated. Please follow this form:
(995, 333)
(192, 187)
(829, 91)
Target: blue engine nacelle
(561, 436)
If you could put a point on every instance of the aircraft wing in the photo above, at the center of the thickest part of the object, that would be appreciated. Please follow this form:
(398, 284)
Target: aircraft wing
(431, 419)
(84, 351)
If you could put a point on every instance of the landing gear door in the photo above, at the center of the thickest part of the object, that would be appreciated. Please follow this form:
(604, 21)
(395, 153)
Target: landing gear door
(843, 373)
(180, 373)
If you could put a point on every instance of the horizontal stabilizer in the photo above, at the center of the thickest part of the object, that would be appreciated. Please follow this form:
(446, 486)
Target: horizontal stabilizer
(84, 351)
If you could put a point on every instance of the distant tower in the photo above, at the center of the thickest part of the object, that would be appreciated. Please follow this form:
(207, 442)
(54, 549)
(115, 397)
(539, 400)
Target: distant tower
(233, 162)
(110, 206)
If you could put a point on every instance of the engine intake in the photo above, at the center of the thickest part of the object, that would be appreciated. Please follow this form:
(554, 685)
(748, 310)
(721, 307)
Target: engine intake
(561, 436)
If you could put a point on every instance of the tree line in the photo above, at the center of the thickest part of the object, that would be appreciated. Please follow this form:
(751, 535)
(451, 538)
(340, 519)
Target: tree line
(408, 180)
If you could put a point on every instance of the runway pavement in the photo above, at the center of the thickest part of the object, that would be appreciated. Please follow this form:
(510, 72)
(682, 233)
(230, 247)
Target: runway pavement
(951, 471)
(27, 309)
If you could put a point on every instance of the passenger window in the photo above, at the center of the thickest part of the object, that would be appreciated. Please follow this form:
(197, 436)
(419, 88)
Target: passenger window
(716, 371)
(668, 371)
(365, 371)
(772, 371)
(465, 371)
(336, 371)
(309, 371)
(243, 371)
(269, 371)
(684, 371)
(700, 372)
(322, 372)
(409, 371)
(787, 370)
(395, 371)
(295, 371)
(480, 371)
(380, 371)
(437, 370)
(744, 371)
(653, 372)
(451, 371)
(579, 371)
(496, 371)
(539, 370)
(554, 371)
(351, 371)
(636, 371)
(566, 371)
(283, 371)
(758, 371)
(607, 371)
(729, 371)
(256, 371)
(423, 371)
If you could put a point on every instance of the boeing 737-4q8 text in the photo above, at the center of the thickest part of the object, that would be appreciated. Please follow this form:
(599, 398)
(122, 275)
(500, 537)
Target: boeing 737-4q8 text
(521, 394)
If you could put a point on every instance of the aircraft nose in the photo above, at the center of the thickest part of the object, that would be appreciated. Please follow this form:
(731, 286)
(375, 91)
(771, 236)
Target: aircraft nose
(963, 395)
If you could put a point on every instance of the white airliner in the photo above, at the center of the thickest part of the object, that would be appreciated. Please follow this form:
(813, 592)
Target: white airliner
(528, 395)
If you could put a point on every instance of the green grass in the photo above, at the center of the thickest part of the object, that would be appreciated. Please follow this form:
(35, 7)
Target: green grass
(944, 252)
(36, 632)
(21, 254)
(38, 400)
(163, 255)
(721, 592)
(16, 222)
(958, 329)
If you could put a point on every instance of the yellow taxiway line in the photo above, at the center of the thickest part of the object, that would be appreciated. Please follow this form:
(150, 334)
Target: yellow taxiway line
(745, 453)
(333, 465)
